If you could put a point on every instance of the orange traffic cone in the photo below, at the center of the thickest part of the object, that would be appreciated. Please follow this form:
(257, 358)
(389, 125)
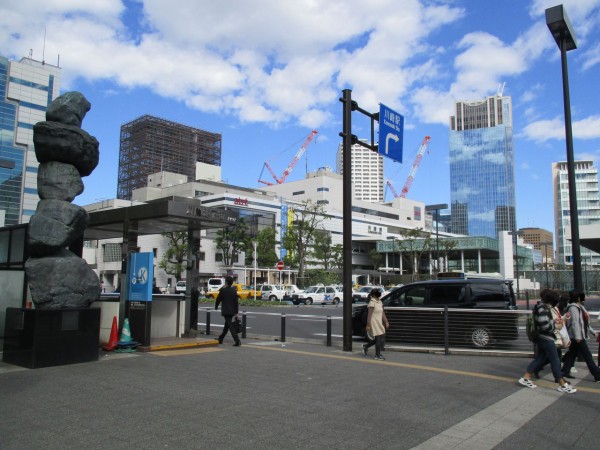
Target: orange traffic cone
(112, 342)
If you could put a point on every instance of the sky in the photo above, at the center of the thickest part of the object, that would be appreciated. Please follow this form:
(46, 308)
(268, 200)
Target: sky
(265, 73)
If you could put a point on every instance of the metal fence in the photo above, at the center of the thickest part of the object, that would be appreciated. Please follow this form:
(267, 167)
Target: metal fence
(434, 330)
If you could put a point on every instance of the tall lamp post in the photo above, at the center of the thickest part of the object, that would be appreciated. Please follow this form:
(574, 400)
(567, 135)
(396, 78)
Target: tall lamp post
(254, 255)
(437, 208)
(545, 244)
(564, 35)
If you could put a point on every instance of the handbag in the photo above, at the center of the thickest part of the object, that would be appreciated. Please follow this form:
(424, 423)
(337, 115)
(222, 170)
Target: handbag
(236, 324)
(564, 336)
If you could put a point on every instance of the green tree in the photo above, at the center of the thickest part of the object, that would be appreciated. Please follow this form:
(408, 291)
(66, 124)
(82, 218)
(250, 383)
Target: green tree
(322, 250)
(174, 260)
(300, 235)
(376, 258)
(415, 242)
(231, 241)
(338, 256)
(265, 249)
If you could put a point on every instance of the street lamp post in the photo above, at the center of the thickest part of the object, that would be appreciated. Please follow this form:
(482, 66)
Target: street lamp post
(545, 244)
(564, 35)
(254, 255)
(437, 208)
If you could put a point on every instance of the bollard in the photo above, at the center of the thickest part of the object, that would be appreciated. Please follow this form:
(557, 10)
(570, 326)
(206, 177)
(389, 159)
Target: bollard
(527, 298)
(207, 322)
(446, 337)
(328, 331)
(282, 328)
(243, 324)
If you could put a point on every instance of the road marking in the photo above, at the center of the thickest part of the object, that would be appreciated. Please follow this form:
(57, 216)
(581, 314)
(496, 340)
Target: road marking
(490, 426)
(187, 351)
(352, 357)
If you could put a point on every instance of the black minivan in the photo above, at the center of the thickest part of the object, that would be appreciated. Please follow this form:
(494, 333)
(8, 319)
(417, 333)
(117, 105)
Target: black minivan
(478, 312)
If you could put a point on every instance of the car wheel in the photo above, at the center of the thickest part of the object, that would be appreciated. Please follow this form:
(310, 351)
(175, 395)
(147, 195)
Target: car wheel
(295, 302)
(480, 337)
(272, 298)
(308, 301)
(336, 301)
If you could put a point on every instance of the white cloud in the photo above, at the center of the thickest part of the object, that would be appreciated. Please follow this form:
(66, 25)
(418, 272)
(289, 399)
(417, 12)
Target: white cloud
(486, 216)
(545, 130)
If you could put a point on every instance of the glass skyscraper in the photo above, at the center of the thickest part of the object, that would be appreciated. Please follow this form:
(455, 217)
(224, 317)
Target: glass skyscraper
(27, 88)
(482, 180)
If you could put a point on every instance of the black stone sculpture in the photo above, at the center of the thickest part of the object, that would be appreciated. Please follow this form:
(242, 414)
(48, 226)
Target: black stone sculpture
(57, 277)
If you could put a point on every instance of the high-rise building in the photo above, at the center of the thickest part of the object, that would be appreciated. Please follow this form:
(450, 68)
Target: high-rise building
(588, 208)
(151, 145)
(482, 181)
(27, 88)
(541, 240)
(367, 172)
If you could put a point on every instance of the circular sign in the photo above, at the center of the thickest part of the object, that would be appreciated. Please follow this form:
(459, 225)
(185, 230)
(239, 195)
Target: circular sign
(280, 265)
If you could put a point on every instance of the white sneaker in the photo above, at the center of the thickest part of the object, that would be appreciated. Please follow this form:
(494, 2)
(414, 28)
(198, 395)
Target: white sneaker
(527, 383)
(573, 370)
(567, 389)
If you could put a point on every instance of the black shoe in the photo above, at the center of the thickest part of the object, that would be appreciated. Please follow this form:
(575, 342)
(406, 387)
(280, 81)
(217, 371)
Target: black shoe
(237, 344)
(220, 339)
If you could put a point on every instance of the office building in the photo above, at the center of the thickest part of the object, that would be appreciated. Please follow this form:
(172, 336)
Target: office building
(27, 88)
(588, 210)
(482, 186)
(150, 145)
(367, 172)
(541, 240)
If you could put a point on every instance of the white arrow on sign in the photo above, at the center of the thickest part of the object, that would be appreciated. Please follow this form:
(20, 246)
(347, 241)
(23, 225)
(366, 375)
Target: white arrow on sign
(389, 136)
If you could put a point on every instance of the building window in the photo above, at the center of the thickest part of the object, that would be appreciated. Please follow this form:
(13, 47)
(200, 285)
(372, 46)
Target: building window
(201, 256)
(323, 189)
(298, 193)
(218, 257)
(112, 252)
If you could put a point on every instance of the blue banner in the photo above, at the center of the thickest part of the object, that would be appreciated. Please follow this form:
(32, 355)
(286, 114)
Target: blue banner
(141, 274)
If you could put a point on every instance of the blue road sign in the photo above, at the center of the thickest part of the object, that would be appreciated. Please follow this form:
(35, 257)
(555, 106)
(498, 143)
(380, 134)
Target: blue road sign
(391, 133)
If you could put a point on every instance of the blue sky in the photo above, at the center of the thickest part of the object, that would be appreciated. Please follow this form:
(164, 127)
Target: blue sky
(264, 73)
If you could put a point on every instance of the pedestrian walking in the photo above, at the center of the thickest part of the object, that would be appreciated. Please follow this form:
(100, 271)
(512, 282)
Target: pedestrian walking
(229, 298)
(559, 324)
(377, 323)
(546, 347)
(579, 327)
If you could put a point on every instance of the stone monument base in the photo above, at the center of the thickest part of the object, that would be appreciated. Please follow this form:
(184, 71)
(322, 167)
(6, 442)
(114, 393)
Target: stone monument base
(37, 338)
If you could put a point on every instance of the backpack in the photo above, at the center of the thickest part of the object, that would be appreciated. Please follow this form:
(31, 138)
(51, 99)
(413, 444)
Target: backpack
(531, 328)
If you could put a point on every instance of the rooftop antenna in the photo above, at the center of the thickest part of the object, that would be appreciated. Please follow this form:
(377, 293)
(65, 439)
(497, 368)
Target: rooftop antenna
(44, 48)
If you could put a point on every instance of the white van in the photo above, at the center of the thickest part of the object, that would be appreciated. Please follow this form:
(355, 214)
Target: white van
(214, 284)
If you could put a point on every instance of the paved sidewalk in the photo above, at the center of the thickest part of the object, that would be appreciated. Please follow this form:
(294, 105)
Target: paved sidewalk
(269, 395)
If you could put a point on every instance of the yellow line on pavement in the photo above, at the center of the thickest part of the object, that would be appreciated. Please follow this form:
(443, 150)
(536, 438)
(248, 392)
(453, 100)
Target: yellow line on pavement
(186, 351)
(352, 357)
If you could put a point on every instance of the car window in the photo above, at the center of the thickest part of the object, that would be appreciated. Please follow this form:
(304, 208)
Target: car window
(413, 297)
(330, 290)
(446, 294)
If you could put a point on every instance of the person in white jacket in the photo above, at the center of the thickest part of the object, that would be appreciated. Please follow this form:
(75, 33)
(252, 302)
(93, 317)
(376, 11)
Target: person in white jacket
(577, 319)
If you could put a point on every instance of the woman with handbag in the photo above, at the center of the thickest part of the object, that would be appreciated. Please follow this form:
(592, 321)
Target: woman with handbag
(561, 334)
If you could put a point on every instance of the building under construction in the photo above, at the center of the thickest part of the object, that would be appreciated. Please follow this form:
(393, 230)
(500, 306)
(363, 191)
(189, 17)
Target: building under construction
(150, 145)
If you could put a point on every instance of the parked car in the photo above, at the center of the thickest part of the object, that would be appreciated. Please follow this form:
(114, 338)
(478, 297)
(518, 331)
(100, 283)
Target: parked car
(318, 294)
(272, 292)
(362, 293)
(410, 321)
(180, 287)
(243, 293)
(214, 284)
(291, 289)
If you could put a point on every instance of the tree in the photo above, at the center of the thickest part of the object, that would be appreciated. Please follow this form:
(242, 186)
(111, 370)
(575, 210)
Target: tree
(231, 241)
(415, 242)
(174, 260)
(265, 249)
(300, 235)
(322, 250)
(338, 256)
(376, 258)
(448, 245)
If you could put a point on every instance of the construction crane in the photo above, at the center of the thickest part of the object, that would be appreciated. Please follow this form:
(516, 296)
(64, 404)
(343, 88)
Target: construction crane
(413, 170)
(287, 171)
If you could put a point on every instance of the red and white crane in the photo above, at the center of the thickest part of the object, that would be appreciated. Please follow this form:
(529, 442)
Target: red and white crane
(413, 170)
(289, 168)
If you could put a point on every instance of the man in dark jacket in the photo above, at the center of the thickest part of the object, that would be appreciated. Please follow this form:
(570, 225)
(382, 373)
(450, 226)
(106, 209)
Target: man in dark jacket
(229, 298)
